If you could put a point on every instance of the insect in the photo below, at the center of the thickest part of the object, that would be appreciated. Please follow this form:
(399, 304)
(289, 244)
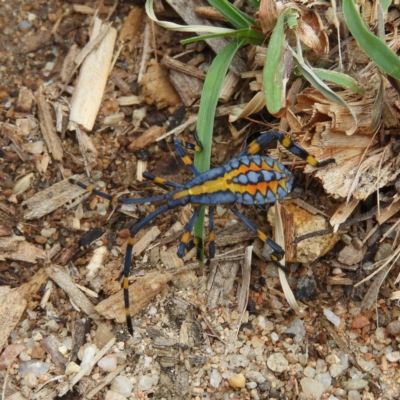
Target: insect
(248, 178)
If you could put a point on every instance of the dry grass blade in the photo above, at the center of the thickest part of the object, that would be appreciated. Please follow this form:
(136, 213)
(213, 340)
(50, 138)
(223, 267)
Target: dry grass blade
(280, 239)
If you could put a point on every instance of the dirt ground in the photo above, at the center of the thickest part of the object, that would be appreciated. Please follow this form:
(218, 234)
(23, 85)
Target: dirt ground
(223, 331)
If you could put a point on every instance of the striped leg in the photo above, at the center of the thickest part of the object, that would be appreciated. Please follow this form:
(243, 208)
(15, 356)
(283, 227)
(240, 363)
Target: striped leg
(115, 199)
(277, 253)
(180, 146)
(265, 139)
(161, 181)
(211, 235)
(186, 244)
(129, 249)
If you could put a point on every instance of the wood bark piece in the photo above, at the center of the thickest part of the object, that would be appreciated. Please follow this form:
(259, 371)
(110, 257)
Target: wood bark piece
(17, 248)
(47, 128)
(24, 101)
(12, 305)
(48, 200)
(63, 280)
(51, 344)
(186, 10)
(220, 283)
(141, 293)
(298, 222)
(186, 69)
(146, 138)
(189, 88)
(93, 77)
(131, 30)
(156, 87)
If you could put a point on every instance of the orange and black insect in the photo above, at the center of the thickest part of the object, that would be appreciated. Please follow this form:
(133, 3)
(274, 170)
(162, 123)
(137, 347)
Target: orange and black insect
(248, 178)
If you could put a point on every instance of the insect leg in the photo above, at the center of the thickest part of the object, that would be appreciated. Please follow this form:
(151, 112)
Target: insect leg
(128, 255)
(265, 139)
(115, 199)
(186, 244)
(277, 253)
(211, 235)
(196, 241)
(161, 181)
(180, 146)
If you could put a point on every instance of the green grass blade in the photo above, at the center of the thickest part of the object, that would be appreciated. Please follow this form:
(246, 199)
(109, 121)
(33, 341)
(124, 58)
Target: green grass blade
(376, 49)
(274, 72)
(208, 105)
(252, 36)
(237, 18)
(342, 80)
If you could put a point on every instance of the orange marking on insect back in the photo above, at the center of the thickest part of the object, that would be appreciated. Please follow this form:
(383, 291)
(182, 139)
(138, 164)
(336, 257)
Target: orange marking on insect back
(125, 283)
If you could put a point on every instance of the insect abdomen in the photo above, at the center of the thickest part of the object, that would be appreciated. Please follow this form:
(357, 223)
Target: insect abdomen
(258, 179)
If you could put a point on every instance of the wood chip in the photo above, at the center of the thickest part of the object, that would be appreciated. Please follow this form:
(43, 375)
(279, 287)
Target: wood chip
(47, 128)
(141, 293)
(156, 87)
(146, 138)
(64, 280)
(17, 248)
(93, 77)
(131, 30)
(48, 200)
(12, 305)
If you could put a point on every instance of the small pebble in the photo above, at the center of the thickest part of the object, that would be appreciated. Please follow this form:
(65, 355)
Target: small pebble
(325, 379)
(393, 328)
(215, 378)
(296, 327)
(111, 395)
(255, 376)
(251, 385)
(237, 381)
(354, 384)
(346, 239)
(394, 356)
(367, 366)
(72, 368)
(47, 232)
(359, 322)
(384, 251)
(40, 239)
(331, 317)
(29, 380)
(309, 372)
(257, 342)
(122, 385)
(146, 382)
(336, 369)
(9, 354)
(311, 387)
(24, 25)
(274, 336)
(357, 242)
(353, 395)
(238, 360)
(108, 363)
(277, 362)
(35, 366)
(337, 271)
